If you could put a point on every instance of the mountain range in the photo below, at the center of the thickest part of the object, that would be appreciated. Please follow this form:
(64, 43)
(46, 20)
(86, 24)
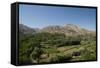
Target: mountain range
(68, 29)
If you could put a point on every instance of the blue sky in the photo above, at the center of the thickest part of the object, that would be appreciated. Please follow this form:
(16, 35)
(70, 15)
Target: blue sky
(36, 16)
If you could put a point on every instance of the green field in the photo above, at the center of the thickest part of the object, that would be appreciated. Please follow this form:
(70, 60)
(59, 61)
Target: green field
(55, 48)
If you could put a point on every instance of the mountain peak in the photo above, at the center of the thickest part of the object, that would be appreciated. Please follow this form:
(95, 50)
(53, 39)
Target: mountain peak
(25, 29)
(71, 25)
(68, 29)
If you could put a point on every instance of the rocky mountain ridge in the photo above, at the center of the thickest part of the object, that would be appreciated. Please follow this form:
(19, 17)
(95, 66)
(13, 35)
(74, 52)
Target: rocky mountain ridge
(68, 29)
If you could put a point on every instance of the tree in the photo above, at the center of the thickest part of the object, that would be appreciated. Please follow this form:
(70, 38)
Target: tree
(36, 53)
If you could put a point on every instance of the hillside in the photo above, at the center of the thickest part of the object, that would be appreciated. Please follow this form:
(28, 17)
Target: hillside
(54, 44)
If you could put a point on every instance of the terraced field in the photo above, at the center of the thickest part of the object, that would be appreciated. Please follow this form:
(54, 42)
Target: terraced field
(67, 53)
(48, 48)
